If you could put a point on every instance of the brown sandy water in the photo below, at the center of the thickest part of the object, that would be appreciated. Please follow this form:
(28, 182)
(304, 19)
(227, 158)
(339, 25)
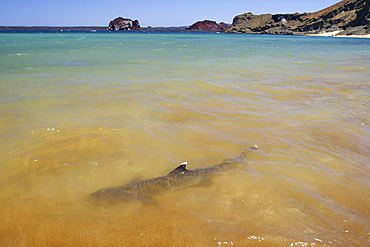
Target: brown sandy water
(65, 134)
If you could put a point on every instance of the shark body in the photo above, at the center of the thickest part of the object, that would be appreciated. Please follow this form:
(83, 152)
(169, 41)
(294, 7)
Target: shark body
(178, 178)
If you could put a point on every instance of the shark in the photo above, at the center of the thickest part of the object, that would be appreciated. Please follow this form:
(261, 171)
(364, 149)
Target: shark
(177, 179)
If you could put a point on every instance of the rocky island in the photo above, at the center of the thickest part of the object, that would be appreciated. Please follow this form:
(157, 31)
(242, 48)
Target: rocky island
(347, 17)
(123, 24)
(208, 25)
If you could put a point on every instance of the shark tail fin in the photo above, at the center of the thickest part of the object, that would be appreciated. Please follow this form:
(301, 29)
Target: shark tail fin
(248, 150)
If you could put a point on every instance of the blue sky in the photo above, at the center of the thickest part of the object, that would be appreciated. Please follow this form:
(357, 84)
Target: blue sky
(149, 13)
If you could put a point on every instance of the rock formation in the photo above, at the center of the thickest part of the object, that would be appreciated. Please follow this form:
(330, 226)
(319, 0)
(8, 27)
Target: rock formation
(208, 25)
(122, 24)
(348, 16)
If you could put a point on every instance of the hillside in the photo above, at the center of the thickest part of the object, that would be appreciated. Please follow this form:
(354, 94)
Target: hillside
(347, 16)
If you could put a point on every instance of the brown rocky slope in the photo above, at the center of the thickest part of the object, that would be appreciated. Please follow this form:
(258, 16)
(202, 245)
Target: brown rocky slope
(347, 16)
(208, 25)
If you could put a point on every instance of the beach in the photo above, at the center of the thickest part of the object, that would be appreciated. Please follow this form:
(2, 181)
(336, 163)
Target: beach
(336, 34)
(89, 110)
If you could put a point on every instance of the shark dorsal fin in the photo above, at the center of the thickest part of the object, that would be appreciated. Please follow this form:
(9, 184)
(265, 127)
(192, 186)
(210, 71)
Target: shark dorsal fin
(180, 169)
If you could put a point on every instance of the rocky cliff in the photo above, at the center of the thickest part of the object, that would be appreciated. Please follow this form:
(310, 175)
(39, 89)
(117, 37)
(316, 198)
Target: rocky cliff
(122, 24)
(348, 16)
(208, 25)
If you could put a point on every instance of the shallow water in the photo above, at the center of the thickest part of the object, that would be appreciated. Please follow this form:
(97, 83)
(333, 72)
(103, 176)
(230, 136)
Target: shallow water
(84, 111)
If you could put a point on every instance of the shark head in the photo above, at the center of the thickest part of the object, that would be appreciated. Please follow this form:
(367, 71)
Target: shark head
(114, 192)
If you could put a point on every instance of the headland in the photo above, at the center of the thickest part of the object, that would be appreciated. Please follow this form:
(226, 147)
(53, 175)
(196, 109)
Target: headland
(347, 18)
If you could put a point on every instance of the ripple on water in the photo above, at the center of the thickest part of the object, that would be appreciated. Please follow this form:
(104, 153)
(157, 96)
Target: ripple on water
(97, 117)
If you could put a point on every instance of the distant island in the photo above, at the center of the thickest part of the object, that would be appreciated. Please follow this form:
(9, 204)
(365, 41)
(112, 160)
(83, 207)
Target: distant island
(52, 28)
(86, 29)
(348, 17)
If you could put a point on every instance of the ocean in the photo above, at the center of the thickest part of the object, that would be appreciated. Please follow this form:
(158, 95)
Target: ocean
(84, 111)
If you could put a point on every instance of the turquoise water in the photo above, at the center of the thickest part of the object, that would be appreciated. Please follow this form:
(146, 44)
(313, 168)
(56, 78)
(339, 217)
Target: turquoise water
(83, 111)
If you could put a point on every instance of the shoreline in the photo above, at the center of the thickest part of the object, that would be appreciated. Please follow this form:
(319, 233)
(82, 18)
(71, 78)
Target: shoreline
(336, 34)
(5, 29)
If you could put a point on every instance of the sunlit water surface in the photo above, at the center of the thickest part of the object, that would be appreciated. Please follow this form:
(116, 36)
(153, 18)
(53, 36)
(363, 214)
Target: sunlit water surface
(84, 111)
